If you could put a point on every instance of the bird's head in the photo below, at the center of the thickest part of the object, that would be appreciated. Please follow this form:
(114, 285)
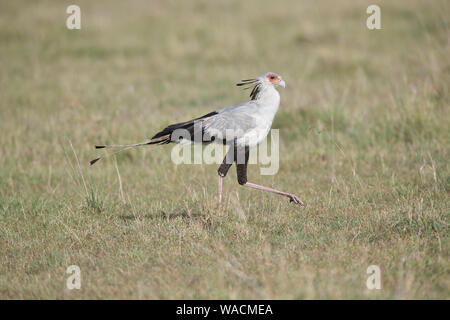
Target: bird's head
(272, 78)
(268, 79)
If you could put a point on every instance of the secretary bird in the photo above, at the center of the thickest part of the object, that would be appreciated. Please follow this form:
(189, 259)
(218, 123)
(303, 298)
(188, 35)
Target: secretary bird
(240, 127)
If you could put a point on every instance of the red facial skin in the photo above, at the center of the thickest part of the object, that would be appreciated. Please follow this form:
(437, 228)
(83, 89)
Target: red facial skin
(273, 78)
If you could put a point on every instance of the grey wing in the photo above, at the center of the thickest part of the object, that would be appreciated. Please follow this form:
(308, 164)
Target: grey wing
(224, 124)
(230, 123)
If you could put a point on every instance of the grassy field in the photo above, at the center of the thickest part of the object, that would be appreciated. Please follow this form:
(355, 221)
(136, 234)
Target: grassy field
(364, 132)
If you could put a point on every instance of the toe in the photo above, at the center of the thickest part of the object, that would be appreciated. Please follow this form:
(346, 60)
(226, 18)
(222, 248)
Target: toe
(296, 200)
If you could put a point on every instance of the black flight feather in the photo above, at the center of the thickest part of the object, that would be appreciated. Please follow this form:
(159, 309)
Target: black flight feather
(94, 161)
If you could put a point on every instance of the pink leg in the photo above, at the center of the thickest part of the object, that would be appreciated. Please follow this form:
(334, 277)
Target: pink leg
(220, 188)
(291, 196)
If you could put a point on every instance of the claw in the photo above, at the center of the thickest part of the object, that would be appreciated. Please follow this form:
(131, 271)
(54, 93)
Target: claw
(293, 198)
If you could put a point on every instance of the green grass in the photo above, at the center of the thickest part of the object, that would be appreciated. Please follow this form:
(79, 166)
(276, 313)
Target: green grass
(364, 133)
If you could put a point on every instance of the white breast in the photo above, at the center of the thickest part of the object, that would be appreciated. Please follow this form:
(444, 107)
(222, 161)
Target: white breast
(263, 115)
(248, 123)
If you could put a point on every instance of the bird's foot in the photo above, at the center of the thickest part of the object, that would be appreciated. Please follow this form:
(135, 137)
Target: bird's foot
(293, 198)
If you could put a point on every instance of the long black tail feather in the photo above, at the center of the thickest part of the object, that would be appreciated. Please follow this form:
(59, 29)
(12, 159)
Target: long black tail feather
(159, 140)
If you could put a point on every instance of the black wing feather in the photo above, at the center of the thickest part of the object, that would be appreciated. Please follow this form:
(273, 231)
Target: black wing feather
(188, 125)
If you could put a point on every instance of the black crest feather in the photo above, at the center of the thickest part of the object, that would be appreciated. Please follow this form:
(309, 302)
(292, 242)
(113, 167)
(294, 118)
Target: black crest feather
(94, 161)
(251, 83)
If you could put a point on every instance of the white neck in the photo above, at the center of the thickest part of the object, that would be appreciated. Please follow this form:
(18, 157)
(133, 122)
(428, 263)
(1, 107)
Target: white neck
(268, 97)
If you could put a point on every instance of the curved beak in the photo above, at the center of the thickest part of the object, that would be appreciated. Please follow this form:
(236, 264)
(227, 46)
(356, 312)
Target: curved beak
(282, 83)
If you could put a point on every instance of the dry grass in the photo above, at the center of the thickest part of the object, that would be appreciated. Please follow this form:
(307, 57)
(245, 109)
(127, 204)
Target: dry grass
(364, 129)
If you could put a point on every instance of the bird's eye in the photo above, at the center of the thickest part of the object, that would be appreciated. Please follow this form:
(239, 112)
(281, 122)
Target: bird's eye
(272, 77)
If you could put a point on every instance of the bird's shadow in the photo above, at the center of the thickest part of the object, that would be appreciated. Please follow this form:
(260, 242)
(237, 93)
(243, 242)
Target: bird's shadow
(163, 215)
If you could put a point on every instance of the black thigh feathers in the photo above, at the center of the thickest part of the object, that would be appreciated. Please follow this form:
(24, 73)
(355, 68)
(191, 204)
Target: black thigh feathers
(235, 155)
